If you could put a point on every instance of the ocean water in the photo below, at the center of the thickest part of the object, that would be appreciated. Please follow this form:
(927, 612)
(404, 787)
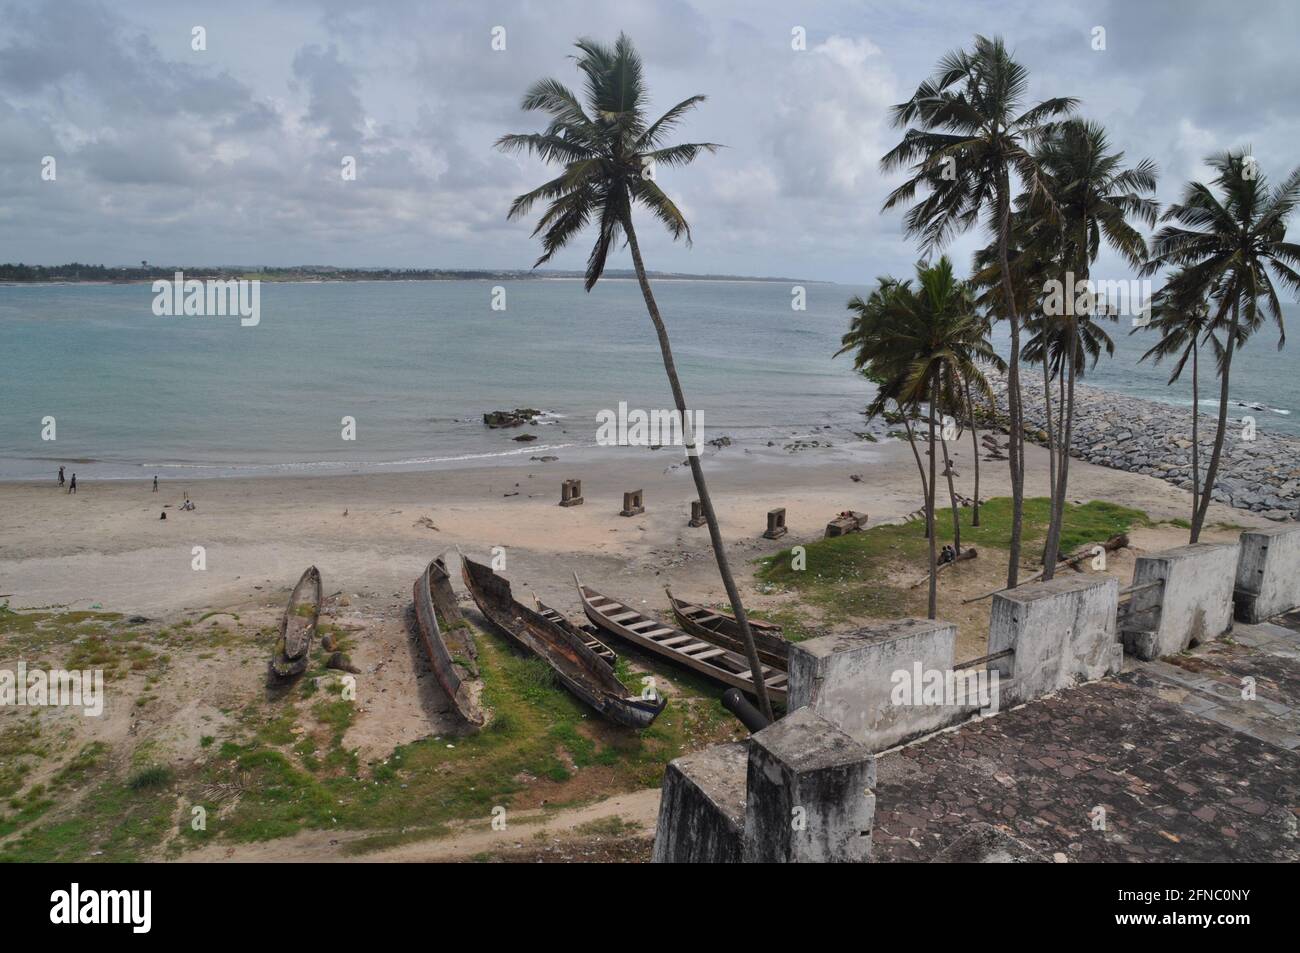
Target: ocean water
(415, 363)
(418, 363)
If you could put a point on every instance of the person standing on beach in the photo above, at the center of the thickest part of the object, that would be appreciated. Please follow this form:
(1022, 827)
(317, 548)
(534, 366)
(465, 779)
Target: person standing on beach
(155, 483)
(61, 480)
(72, 487)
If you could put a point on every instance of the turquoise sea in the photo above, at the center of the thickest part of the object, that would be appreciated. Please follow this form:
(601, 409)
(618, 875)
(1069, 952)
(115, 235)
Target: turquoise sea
(418, 363)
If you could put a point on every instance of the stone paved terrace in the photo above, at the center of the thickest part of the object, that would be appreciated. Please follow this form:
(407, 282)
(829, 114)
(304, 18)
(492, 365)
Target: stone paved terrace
(1186, 769)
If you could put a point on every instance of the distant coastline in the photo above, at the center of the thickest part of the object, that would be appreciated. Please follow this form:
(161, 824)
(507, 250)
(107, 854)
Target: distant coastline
(76, 273)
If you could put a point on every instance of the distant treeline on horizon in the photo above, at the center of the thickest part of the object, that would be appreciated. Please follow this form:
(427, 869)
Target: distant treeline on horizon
(75, 271)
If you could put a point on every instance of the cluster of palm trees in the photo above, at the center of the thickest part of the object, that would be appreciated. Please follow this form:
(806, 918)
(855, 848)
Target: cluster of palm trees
(1050, 190)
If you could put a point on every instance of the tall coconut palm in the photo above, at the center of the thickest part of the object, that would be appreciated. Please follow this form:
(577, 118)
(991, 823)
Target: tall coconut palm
(969, 139)
(921, 343)
(1093, 198)
(1180, 314)
(609, 150)
(1235, 240)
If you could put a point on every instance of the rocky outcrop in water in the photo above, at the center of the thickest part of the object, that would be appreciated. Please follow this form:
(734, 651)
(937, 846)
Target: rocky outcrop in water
(1259, 469)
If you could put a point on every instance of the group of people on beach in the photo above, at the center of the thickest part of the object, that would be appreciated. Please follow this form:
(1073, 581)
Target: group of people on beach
(71, 484)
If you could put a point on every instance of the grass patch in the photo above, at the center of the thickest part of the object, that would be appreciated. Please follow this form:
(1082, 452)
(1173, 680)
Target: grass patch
(868, 574)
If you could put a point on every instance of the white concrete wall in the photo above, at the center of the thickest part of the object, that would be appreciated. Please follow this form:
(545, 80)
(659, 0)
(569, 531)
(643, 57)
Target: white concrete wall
(849, 679)
(1268, 573)
(1195, 603)
(1063, 633)
(811, 794)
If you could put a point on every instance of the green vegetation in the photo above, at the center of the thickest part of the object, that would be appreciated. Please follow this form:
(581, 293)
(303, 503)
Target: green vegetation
(859, 575)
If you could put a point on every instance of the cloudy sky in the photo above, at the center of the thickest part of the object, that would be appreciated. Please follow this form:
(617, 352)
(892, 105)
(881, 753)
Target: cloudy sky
(232, 154)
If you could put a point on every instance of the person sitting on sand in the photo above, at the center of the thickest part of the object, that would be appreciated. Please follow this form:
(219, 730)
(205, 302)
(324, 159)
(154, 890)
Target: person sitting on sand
(61, 480)
(947, 555)
(163, 516)
(72, 487)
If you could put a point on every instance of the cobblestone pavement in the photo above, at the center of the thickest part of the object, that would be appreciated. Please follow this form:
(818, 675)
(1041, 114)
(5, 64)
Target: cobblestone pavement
(1184, 767)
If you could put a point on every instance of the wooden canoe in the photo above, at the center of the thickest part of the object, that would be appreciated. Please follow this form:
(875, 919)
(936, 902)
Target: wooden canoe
(577, 667)
(722, 629)
(713, 661)
(448, 642)
(588, 633)
(298, 626)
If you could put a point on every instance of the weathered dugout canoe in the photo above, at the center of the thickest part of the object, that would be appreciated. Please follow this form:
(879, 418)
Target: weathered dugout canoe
(448, 642)
(298, 626)
(713, 661)
(578, 668)
(722, 629)
(588, 632)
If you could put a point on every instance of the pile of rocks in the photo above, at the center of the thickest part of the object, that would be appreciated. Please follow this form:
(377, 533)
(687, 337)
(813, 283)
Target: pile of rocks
(1259, 470)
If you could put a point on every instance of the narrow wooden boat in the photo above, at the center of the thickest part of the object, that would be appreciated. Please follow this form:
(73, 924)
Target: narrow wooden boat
(722, 629)
(713, 661)
(298, 626)
(448, 642)
(588, 633)
(578, 668)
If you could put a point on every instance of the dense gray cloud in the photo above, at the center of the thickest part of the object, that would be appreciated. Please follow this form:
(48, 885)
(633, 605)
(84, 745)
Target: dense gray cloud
(233, 154)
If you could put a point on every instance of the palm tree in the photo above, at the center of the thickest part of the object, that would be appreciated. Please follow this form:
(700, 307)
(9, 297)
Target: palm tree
(969, 139)
(1093, 197)
(1235, 241)
(921, 344)
(1182, 317)
(609, 151)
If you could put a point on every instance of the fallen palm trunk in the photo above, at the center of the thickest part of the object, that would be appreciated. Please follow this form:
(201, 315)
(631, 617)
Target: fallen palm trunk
(1119, 541)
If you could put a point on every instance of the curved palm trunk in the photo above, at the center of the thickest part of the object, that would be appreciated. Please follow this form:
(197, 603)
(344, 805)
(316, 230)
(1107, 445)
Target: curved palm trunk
(1196, 442)
(925, 486)
(975, 448)
(1051, 439)
(1017, 442)
(1051, 552)
(1212, 468)
(697, 472)
(929, 504)
(952, 495)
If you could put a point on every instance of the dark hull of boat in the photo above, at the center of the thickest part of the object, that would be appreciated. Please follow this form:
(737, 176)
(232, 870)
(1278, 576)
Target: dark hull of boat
(723, 629)
(701, 655)
(580, 670)
(447, 641)
(298, 627)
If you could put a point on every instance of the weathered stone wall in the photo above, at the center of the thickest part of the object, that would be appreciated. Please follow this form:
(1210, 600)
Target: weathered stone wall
(811, 793)
(849, 679)
(702, 807)
(1268, 573)
(1063, 632)
(1193, 606)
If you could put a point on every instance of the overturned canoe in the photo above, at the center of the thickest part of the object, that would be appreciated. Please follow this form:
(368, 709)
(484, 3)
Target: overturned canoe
(713, 661)
(722, 629)
(298, 626)
(448, 642)
(587, 633)
(578, 668)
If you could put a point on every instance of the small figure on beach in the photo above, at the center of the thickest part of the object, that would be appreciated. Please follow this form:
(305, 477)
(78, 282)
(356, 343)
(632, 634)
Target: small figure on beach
(163, 516)
(155, 484)
(61, 480)
(72, 487)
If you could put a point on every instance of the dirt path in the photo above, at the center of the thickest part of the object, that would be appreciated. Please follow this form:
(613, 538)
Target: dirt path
(525, 831)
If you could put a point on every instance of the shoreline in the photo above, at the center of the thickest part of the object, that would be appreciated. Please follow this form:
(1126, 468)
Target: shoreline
(1258, 474)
